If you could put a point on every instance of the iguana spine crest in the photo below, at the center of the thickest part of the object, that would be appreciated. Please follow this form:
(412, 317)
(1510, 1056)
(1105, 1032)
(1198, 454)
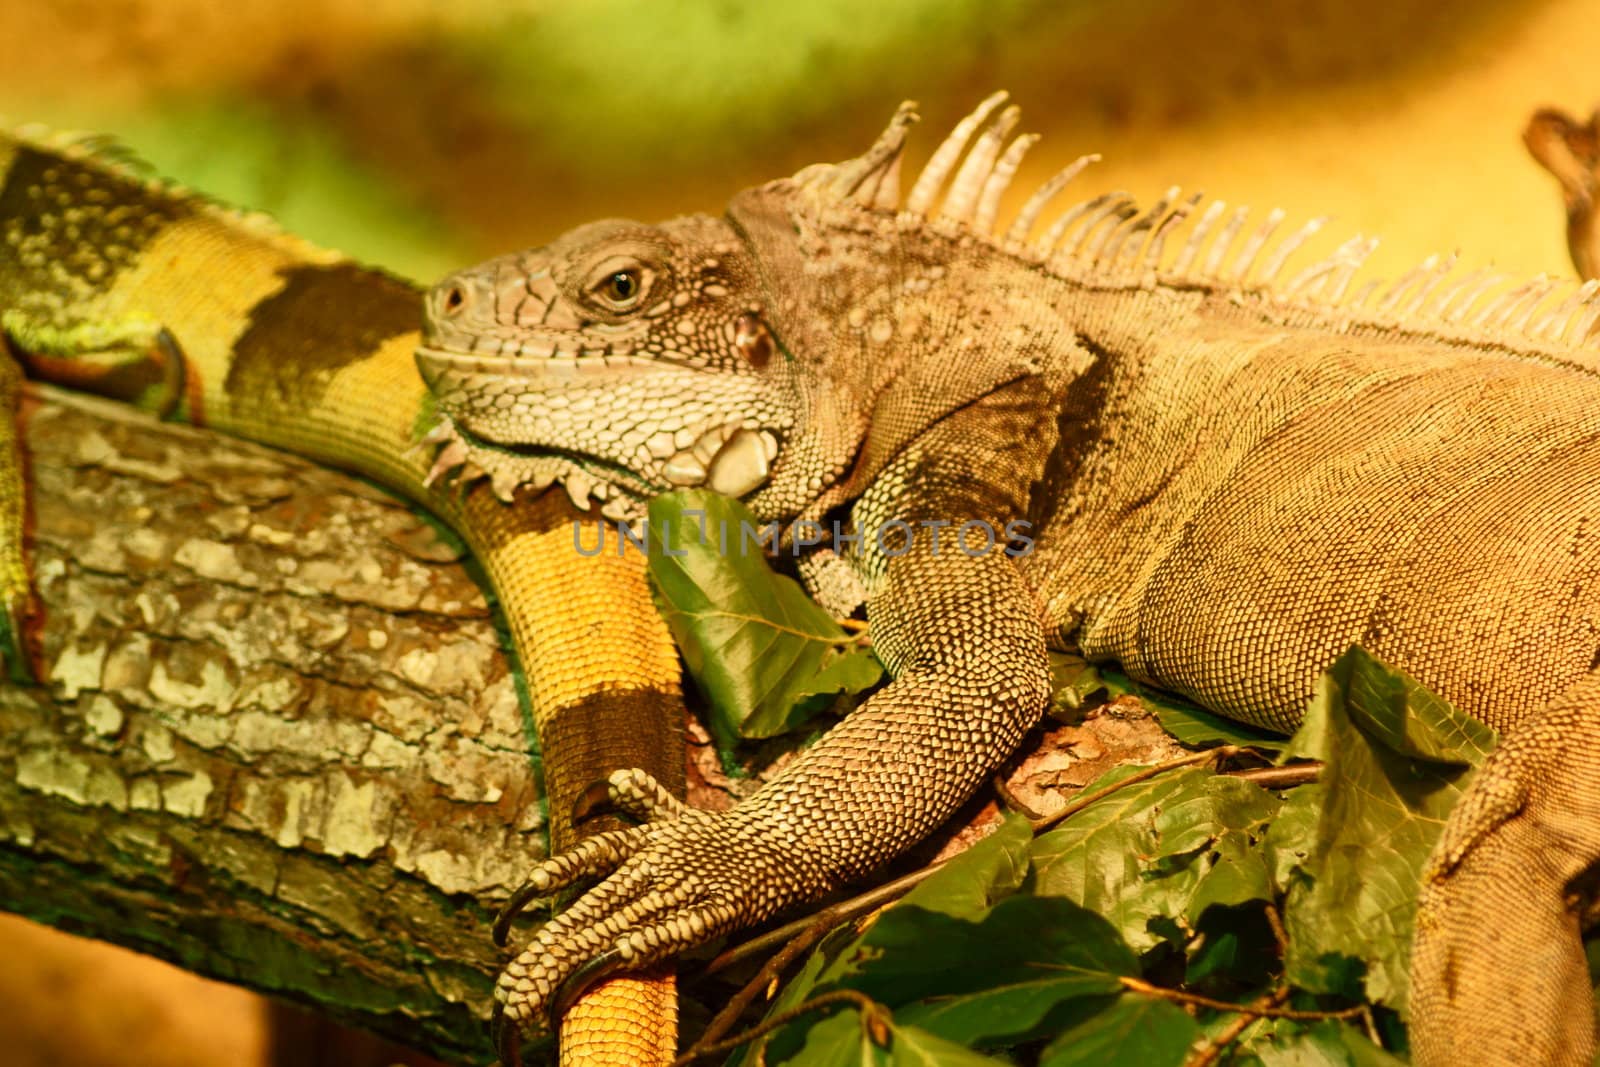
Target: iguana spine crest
(1106, 242)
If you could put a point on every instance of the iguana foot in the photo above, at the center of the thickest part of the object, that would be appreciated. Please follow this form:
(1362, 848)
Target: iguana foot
(134, 360)
(681, 879)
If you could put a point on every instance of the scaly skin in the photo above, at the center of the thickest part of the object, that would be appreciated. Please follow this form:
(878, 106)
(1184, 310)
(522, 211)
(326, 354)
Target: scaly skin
(16, 592)
(1229, 479)
(126, 287)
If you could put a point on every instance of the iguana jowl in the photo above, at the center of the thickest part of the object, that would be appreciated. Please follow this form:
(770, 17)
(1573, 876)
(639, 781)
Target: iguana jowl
(1233, 472)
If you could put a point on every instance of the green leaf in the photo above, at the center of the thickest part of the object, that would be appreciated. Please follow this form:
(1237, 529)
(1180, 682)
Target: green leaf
(1326, 1043)
(763, 654)
(998, 978)
(841, 1041)
(1135, 1030)
(995, 980)
(970, 883)
(1395, 760)
(1171, 846)
(964, 888)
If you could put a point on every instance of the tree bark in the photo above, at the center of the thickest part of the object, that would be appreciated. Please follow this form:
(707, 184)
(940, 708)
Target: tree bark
(276, 740)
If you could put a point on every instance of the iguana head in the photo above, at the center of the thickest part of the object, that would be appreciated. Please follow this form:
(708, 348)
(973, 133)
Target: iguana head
(622, 359)
(782, 353)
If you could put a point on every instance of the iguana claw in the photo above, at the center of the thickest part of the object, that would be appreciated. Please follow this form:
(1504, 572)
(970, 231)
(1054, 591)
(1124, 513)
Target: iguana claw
(682, 878)
(581, 980)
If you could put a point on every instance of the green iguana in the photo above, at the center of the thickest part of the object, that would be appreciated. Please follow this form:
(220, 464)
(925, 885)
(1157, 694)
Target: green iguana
(147, 292)
(1230, 472)
(1570, 150)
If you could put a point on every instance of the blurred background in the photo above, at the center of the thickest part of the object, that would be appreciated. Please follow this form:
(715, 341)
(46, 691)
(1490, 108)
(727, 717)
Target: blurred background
(421, 135)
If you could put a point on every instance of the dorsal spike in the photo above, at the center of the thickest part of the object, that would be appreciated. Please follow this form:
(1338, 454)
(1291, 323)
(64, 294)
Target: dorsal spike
(1357, 261)
(1312, 278)
(999, 181)
(1197, 238)
(1092, 250)
(1230, 230)
(1413, 307)
(1516, 320)
(1280, 255)
(933, 175)
(1494, 310)
(1541, 326)
(1586, 323)
(886, 197)
(1157, 246)
(862, 179)
(1404, 282)
(979, 164)
(1128, 236)
(1556, 324)
(1110, 204)
(1452, 290)
(1023, 226)
(1487, 279)
(1257, 241)
(1052, 237)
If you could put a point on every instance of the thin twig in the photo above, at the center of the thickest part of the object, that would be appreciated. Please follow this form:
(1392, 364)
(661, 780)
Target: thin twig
(873, 1017)
(1218, 754)
(833, 915)
(1279, 933)
(723, 1021)
(1011, 801)
(853, 625)
(1279, 777)
(1207, 1053)
(1139, 985)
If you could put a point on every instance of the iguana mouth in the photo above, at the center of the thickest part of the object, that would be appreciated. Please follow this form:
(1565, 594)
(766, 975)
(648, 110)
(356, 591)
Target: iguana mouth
(727, 458)
(465, 458)
(528, 363)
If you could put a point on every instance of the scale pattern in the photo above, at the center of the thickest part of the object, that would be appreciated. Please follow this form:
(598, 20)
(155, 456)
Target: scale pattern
(1233, 467)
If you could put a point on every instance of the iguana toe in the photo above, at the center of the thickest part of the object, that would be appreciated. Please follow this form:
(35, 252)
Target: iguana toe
(688, 879)
(594, 857)
(632, 793)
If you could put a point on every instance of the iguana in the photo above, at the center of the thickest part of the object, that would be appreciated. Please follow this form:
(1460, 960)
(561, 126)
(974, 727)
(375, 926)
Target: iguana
(148, 292)
(1570, 150)
(1230, 472)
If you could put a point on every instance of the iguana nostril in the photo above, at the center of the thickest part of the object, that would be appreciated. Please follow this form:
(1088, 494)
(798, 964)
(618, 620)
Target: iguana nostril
(455, 300)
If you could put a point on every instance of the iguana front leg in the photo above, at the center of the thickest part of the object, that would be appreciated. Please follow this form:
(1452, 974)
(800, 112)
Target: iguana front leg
(962, 635)
(1498, 967)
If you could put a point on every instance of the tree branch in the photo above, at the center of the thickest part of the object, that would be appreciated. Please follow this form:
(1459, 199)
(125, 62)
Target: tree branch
(277, 742)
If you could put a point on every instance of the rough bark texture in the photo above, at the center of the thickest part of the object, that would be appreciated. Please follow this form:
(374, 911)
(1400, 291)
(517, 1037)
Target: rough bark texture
(277, 741)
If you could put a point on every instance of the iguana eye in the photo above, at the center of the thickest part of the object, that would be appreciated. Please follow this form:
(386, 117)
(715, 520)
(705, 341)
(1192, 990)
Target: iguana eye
(620, 284)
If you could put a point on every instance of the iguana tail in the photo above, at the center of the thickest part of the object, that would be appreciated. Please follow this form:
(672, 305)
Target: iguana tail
(144, 292)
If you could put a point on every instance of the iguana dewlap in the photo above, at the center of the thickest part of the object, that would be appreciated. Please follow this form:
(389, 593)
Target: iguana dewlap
(1231, 469)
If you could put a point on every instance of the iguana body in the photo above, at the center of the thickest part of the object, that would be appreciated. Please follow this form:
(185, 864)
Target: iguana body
(1232, 472)
(152, 294)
